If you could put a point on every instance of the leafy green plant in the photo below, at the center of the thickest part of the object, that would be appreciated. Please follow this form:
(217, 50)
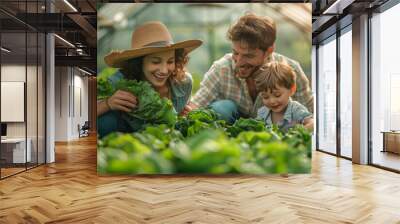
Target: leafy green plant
(104, 87)
(198, 120)
(125, 154)
(245, 125)
(199, 143)
(151, 107)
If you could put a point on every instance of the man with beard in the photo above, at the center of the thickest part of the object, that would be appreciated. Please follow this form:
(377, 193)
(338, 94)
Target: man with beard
(229, 88)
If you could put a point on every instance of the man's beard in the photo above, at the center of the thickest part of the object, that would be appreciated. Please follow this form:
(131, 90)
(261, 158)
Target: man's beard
(251, 70)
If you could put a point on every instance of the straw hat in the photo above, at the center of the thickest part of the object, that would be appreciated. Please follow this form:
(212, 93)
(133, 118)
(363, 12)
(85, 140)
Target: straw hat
(149, 38)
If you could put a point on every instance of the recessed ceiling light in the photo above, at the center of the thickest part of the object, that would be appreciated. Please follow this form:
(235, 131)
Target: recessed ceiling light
(70, 5)
(5, 49)
(337, 7)
(86, 72)
(64, 40)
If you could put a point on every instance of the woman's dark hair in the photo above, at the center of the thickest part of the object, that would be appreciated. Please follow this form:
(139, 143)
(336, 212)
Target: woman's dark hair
(181, 60)
(133, 68)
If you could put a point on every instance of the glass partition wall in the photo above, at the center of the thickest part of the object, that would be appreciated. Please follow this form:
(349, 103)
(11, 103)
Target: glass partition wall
(13, 86)
(334, 94)
(22, 106)
(326, 129)
(346, 92)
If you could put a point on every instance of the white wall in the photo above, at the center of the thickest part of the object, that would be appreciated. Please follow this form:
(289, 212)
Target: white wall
(61, 103)
(13, 101)
(71, 94)
(80, 110)
(13, 73)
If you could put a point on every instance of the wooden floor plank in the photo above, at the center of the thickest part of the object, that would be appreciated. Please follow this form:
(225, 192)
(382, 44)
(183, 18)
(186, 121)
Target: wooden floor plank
(69, 191)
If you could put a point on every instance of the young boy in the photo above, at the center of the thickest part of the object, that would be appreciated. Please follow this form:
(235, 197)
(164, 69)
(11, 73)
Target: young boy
(276, 84)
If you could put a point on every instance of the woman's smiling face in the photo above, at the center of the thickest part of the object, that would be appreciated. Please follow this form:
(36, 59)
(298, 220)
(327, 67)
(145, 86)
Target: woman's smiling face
(158, 67)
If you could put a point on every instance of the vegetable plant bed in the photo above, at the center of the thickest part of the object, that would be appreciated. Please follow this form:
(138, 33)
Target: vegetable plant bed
(199, 143)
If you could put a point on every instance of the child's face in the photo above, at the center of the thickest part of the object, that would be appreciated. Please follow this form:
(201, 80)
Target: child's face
(277, 99)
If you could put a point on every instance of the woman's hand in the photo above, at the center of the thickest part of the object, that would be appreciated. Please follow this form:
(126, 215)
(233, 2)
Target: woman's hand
(122, 100)
(189, 107)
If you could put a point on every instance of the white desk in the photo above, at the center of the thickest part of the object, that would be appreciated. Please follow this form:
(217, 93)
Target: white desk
(18, 150)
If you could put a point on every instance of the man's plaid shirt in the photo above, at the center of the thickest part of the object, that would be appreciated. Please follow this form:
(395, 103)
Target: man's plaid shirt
(220, 83)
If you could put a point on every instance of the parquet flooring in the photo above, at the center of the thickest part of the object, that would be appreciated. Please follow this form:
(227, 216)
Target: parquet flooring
(9, 171)
(69, 191)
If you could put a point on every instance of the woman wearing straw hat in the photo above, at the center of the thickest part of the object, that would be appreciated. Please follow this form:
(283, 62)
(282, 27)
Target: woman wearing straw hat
(154, 58)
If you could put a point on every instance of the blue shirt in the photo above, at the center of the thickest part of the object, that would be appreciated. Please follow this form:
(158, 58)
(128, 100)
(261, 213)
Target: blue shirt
(295, 113)
(113, 121)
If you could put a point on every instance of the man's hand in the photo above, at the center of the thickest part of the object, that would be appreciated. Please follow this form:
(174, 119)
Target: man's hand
(189, 107)
(122, 100)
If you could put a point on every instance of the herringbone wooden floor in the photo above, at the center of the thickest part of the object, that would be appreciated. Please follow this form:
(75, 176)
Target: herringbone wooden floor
(70, 191)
